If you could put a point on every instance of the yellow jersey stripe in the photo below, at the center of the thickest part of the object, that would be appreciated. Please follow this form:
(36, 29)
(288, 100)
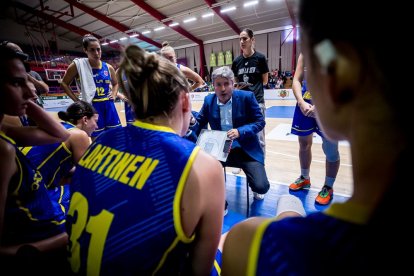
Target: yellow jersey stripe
(2, 134)
(179, 194)
(255, 247)
(100, 100)
(164, 257)
(350, 211)
(25, 150)
(176, 210)
(50, 156)
(152, 126)
(217, 267)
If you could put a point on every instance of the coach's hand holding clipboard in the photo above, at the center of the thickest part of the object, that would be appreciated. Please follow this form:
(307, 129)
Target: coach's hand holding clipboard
(215, 142)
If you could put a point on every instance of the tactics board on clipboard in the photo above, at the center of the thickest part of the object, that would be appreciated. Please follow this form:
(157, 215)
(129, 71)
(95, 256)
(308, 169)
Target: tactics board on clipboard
(215, 143)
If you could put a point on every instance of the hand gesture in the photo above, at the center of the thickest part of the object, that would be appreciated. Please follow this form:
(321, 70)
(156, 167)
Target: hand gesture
(233, 134)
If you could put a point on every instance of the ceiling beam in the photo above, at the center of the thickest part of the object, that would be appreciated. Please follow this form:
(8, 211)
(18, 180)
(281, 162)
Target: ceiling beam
(160, 17)
(117, 25)
(57, 21)
(53, 19)
(223, 16)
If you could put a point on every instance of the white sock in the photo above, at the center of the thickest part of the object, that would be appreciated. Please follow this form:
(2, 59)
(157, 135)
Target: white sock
(305, 173)
(329, 181)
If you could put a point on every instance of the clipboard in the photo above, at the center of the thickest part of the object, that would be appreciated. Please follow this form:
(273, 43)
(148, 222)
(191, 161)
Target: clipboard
(215, 143)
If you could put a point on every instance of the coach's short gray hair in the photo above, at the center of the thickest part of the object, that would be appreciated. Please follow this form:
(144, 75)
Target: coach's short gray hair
(222, 72)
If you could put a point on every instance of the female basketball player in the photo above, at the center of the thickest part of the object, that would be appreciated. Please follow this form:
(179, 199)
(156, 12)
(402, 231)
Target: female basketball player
(169, 53)
(145, 200)
(94, 80)
(351, 77)
(251, 73)
(56, 161)
(30, 224)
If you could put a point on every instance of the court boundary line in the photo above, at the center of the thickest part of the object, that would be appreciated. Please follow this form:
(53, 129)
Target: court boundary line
(296, 157)
(286, 184)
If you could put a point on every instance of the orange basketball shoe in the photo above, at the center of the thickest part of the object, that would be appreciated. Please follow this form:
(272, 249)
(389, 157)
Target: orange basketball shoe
(300, 183)
(325, 196)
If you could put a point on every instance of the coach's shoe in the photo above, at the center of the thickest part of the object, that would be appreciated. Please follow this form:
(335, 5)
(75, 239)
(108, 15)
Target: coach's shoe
(236, 171)
(226, 208)
(325, 196)
(258, 196)
(300, 183)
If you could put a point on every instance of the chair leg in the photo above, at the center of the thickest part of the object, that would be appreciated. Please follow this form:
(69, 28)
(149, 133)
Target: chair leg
(225, 181)
(247, 193)
(248, 199)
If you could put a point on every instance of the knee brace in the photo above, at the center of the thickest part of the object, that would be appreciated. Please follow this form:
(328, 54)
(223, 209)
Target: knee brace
(290, 203)
(330, 149)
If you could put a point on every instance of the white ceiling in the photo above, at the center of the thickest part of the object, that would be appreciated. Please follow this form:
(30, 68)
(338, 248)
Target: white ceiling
(264, 16)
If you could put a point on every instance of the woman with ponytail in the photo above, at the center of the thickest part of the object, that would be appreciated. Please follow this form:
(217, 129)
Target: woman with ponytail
(168, 52)
(145, 200)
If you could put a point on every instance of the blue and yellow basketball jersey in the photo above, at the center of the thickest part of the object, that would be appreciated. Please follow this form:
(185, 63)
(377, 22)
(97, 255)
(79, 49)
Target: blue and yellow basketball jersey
(108, 116)
(54, 161)
(305, 92)
(322, 243)
(301, 124)
(124, 215)
(30, 215)
(102, 78)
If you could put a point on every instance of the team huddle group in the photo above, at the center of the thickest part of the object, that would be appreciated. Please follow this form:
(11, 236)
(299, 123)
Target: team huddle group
(144, 199)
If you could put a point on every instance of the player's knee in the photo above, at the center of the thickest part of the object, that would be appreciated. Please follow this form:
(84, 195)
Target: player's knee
(331, 150)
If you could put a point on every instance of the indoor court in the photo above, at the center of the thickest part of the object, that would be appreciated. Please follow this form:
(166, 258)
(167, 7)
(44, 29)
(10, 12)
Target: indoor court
(142, 52)
(282, 167)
